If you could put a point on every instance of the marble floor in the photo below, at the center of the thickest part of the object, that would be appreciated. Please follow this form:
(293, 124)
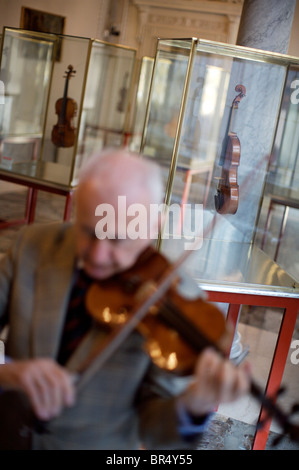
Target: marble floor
(233, 425)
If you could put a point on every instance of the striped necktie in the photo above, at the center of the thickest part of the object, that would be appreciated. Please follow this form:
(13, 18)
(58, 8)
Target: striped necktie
(78, 321)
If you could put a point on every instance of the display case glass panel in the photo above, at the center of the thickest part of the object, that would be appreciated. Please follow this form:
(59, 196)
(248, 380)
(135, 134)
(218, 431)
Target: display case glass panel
(106, 100)
(140, 105)
(211, 122)
(64, 108)
(278, 219)
(284, 165)
(26, 66)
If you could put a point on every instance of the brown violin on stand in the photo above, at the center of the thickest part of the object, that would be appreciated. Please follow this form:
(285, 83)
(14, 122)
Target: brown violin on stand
(63, 133)
(227, 197)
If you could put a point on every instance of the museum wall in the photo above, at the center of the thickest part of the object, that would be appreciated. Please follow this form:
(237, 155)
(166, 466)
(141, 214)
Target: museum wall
(138, 23)
(82, 17)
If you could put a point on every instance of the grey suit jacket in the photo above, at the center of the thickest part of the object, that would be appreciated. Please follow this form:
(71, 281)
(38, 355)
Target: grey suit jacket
(123, 405)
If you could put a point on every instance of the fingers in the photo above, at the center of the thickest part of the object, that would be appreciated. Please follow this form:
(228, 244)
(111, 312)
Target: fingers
(232, 382)
(216, 380)
(48, 385)
(228, 381)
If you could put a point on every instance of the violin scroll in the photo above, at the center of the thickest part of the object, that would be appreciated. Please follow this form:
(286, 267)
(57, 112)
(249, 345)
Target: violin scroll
(242, 92)
(70, 73)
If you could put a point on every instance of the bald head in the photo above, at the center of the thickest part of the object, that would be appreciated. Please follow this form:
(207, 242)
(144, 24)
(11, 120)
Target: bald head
(118, 172)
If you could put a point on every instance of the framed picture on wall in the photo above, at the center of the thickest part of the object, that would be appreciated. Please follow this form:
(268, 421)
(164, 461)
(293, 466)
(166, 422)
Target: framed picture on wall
(36, 20)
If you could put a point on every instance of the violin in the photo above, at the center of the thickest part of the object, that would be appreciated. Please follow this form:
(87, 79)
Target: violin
(227, 197)
(112, 302)
(176, 327)
(64, 133)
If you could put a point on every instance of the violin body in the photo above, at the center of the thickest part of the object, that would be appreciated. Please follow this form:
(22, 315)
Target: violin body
(64, 133)
(112, 303)
(227, 197)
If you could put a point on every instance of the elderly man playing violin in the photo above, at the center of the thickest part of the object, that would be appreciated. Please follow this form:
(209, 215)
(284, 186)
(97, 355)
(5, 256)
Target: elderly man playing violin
(127, 402)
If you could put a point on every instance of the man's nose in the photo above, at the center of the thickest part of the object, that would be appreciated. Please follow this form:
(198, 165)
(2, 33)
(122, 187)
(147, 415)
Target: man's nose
(100, 251)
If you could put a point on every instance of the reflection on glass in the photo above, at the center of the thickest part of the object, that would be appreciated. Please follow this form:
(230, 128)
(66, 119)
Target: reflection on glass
(166, 99)
(106, 98)
(144, 82)
(25, 72)
(278, 219)
(284, 169)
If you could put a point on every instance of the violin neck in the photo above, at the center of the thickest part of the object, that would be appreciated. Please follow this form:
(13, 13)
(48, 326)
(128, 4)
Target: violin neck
(63, 108)
(227, 134)
(231, 118)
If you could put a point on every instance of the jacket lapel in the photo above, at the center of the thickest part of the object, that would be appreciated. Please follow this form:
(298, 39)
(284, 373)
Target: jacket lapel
(54, 278)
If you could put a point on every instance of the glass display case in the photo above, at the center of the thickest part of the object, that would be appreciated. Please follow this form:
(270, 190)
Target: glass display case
(211, 122)
(65, 96)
